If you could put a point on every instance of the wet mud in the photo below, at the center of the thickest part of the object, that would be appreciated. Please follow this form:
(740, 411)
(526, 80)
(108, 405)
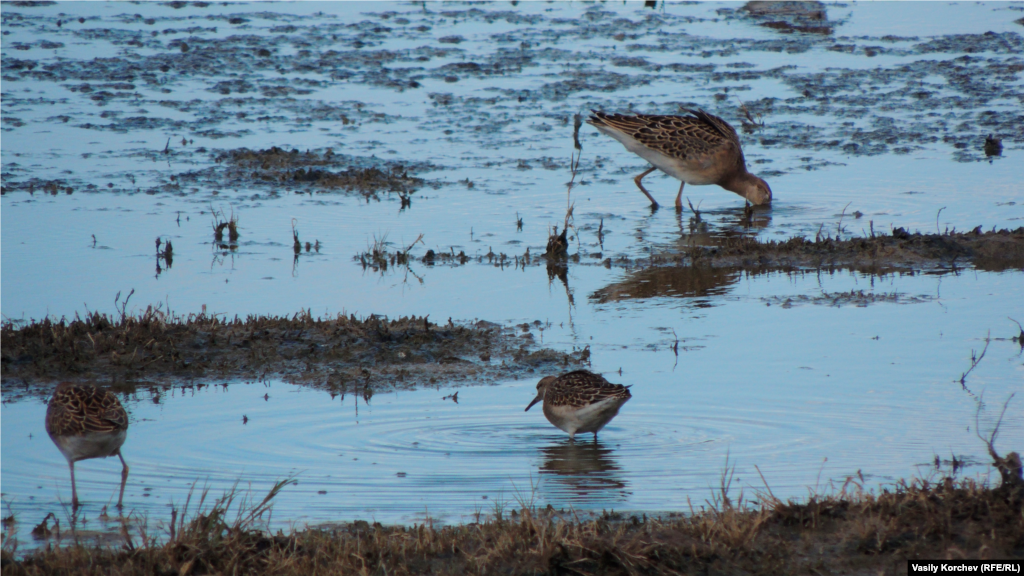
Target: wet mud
(271, 171)
(993, 250)
(702, 272)
(341, 354)
(847, 532)
(319, 171)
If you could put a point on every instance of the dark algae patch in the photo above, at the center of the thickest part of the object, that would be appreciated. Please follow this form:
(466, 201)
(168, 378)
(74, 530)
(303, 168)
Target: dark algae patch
(321, 170)
(337, 353)
(850, 532)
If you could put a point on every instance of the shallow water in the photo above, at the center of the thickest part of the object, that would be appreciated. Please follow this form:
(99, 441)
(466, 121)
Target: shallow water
(771, 369)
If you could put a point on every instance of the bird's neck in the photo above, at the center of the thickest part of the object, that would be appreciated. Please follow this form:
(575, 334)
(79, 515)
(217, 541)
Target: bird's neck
(740, 181)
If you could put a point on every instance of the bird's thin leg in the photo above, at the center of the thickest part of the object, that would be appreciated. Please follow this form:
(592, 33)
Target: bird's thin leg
(74, 491)
(124, 478)
(595, 437)
(679, 197)
(640, 177)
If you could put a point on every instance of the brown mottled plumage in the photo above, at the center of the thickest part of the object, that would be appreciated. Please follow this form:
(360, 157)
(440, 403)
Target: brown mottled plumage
(698, 149)
(580, 401)
(84, 423)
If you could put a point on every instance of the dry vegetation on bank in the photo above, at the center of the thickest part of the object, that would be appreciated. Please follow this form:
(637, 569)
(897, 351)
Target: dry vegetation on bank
(851, 532)
(337, 353)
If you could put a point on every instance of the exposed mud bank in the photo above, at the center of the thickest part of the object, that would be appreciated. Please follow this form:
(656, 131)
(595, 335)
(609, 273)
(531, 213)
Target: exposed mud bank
(847, 533)
(698, 270)
(995, 250)
(338, 354)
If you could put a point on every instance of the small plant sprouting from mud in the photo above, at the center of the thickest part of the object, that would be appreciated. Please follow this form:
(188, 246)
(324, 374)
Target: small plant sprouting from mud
(558, 244)
(297, 244)
(166, 254)
(749, 122)
(839, 225)
(123, 307)
(379, 255)
(1019, 339)
(975, 360)
(697, 223)
(222, 222)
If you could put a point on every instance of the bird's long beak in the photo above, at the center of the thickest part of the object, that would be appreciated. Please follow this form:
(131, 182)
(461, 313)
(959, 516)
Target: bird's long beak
(540, 396)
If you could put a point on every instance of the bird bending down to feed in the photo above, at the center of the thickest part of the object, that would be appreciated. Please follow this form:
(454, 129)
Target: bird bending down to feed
(87, 423)
(580, 401)
(697, 149)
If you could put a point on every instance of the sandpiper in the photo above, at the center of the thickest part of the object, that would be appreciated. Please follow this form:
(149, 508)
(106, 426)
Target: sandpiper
(698, 149)
(580, 401)
(87, 423)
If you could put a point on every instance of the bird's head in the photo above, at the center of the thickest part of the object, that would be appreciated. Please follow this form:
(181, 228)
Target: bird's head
(754, 189)
(542, 387)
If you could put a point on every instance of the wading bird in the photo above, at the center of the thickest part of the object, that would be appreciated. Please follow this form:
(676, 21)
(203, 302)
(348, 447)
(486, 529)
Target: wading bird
(580, 401)
(87, 423)
(698, 149)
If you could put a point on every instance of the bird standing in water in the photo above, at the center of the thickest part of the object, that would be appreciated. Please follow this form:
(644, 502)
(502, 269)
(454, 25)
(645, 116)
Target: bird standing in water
(580, 401)
(698, 149)
(85, 422)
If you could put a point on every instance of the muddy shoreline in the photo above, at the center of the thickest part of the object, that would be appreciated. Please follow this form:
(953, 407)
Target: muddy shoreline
(993, 251)
(339, 354)
(850, 531)
(346, 353)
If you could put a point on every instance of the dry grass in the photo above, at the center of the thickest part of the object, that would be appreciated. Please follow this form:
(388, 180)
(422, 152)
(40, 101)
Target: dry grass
(850, 531)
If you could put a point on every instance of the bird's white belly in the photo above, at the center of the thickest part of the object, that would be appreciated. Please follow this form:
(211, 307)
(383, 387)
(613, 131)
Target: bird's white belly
(90, 445)
(590, 418)
(672, 166)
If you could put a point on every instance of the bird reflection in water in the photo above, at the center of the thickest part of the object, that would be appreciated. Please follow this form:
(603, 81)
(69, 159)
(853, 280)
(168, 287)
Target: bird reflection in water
(698, 283)
(585, 470)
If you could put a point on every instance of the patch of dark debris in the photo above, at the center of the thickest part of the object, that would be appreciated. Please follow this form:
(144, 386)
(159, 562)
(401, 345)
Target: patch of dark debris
(320, 170)
(858, 298)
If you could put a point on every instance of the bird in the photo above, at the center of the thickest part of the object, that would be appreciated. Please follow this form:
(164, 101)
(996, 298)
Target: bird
(697, 149)
(580, 401)
(85, 422)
